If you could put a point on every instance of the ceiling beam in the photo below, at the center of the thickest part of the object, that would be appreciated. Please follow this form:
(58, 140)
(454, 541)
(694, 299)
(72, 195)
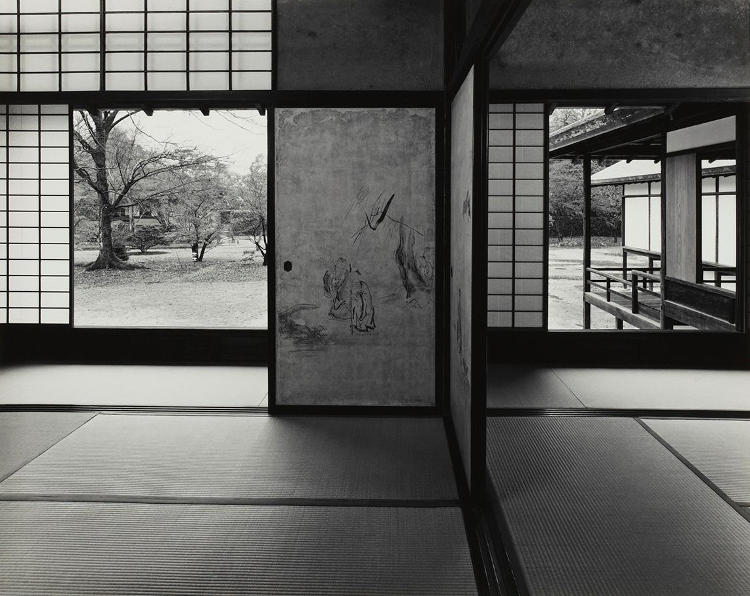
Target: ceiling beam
(638, 136)
(494, 21)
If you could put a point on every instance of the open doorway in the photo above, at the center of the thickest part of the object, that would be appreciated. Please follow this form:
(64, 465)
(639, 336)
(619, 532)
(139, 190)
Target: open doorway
(566, 226)
(643, 218)
(170, 218)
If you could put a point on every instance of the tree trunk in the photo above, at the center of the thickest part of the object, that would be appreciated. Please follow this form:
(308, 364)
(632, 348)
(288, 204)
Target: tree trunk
(202, 252)
(107, 258)
(262, 251)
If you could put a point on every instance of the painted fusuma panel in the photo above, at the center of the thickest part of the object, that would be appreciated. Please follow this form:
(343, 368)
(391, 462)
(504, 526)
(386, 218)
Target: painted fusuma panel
(355, 256)
(462, 168)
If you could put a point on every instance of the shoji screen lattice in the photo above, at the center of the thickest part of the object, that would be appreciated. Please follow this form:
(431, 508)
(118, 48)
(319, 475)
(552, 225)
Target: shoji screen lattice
(135, 45)
(34, 214)
(642, 203)
(516, 215)
(719, 221)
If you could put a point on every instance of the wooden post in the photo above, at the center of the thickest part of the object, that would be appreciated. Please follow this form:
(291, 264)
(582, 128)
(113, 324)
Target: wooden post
(663, 320)
(634, 293)
(586, 236)
(624, 267)
(651, 271)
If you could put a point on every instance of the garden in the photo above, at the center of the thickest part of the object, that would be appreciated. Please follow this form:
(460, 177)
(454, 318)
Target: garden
(169, 232)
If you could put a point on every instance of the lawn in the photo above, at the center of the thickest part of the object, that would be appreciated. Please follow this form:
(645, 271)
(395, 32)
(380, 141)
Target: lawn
(167, 289)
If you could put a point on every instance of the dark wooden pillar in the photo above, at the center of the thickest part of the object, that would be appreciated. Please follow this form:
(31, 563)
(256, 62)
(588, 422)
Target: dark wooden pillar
(586, 237)
(665, 323)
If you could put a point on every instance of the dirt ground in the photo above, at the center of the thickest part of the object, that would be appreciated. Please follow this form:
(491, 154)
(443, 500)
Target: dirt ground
(168, 289)
(566, 286)
(228, 290)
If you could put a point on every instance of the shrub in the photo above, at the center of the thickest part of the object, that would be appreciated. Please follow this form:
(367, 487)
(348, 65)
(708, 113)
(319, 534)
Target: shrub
(86, 232)
(145, 238)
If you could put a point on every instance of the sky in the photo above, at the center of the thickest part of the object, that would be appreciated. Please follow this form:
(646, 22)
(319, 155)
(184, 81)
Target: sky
(237, 135)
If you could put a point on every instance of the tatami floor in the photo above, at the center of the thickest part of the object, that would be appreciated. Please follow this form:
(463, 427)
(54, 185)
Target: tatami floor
(134, 385)
(193, 504)
(589, 501)
(617, 388)
(619, 505)
(247, 386)
(597, 502)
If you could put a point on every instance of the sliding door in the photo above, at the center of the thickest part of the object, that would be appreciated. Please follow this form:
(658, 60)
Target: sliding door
(355, 256)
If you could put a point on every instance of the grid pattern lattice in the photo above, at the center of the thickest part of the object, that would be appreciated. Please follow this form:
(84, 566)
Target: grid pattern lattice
(642, 212)
(516, 216)
(719, 220)
(34, 214)
(135, 45)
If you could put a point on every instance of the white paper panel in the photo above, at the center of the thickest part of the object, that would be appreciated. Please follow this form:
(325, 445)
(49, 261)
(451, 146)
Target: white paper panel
(727, 183)
(708, 228)
(727, 230)
(56, 316)
(208, 80)
(23, 315)
(131, 27)
(211, 41)
(637, 222)
(515, 219)
(28, 273)
(655, 241)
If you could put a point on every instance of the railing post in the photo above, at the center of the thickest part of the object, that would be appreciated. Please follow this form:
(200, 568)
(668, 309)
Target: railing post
(609, 294)
(586, 305)
(651, 271)
(586, 237)
(634, 294)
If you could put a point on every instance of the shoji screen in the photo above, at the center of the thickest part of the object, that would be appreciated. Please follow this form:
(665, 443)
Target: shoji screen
(719, 220)
(462, 166)
(516, 215)
(59, 45)
(643, 215)
(34, 214)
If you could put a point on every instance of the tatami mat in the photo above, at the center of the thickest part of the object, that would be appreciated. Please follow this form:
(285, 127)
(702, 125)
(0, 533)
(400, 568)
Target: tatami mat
(98, 548)
(527, 387)
(245, 457)
(659, 388)
(720, 449)
(599, 506)
(24, 435)
(134, 385)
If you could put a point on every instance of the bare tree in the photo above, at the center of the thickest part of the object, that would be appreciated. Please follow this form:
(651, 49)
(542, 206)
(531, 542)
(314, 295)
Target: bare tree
(115, 166)
(199, 213)
(251, 209)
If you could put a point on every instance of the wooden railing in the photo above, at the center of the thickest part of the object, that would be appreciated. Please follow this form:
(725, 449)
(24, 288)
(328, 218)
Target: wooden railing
(700, 306)
(638, 281)
(651, 256)
(723, 274)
